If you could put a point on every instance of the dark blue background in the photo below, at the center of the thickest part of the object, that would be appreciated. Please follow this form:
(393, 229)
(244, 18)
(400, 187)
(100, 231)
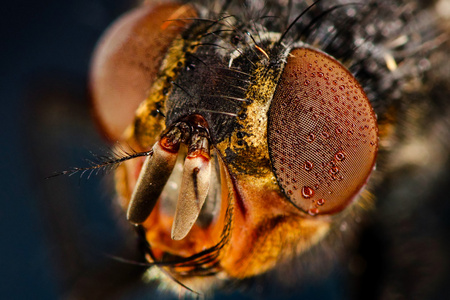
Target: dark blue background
(52, 231)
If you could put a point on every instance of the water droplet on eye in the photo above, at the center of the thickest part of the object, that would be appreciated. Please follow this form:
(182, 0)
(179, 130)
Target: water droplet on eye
(316, 186)
(290, 192)
(307, 192)
(320, 74)
(306, 83)
(308, 166)
(340, 156)
(325, 134)
(313, 211)
(321, 202)
(334, 170)
(339, 130)
(311, 137)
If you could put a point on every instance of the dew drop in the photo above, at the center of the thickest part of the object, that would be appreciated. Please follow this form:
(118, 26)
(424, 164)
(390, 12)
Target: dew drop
(340, 156)
(311, 137)
(313, 211)
(307, 192)
(325, 135)
(308, 166)
(334, 170)
(306, 83)
(321, 202)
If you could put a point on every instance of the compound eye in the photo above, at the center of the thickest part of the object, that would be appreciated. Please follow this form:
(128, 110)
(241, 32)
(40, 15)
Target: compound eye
(322, 133)
(127, 60)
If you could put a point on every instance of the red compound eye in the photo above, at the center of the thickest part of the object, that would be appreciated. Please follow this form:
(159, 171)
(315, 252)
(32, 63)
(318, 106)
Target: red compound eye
(322, 133)
(127, 60)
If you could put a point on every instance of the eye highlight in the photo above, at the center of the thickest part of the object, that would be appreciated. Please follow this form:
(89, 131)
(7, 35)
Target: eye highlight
(322, 133)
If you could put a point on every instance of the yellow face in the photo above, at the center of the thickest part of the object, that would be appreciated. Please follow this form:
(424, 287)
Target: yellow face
(255, 139)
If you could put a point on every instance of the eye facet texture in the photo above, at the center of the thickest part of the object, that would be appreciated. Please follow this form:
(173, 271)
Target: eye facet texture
(322, 133)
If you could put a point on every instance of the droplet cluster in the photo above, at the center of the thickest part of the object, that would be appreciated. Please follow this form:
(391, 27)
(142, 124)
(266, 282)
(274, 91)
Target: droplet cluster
(322, 133)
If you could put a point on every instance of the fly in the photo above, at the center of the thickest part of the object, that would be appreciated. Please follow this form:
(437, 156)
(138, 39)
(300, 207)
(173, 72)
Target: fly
(259, 129)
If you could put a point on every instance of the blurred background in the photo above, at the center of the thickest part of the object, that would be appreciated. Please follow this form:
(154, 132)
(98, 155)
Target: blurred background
(54, 233)
(58, 235)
